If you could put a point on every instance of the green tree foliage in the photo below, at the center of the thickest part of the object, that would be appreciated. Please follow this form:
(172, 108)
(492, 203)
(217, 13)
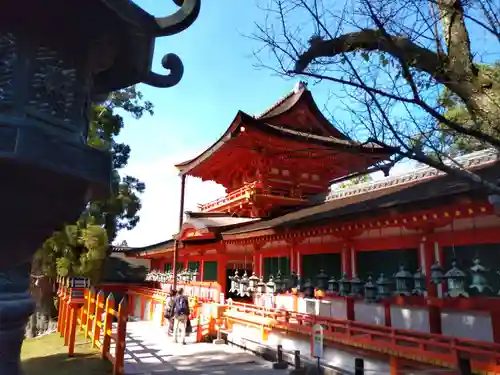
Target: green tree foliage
(355, 181)
(81, 248)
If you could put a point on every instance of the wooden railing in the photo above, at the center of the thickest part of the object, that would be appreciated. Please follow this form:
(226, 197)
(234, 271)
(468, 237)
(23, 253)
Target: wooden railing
(437, 350)
(94, 318)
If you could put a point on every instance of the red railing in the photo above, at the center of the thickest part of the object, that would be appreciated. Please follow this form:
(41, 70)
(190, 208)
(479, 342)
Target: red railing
(234, 196)
(434, 349)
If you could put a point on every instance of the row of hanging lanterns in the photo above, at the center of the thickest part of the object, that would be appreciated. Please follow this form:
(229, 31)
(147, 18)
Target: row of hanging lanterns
(402, 283)
(183, 276)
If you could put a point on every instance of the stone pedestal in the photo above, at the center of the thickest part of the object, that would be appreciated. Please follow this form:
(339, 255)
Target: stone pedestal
(16, 305)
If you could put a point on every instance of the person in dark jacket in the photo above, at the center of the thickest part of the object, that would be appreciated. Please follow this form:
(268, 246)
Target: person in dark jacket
(169, 311)
(181, 315)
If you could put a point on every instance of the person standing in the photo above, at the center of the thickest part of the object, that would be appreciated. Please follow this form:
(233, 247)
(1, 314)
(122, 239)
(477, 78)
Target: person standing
(169, 311)
(181, 315)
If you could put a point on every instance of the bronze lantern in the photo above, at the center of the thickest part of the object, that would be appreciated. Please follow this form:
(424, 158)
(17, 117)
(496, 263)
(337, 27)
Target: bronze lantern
(56, 58)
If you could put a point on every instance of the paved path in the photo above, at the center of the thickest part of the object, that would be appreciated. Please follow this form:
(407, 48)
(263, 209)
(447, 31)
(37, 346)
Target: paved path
(150, 352)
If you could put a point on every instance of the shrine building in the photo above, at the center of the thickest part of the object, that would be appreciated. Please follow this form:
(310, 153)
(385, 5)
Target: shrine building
(416, 251)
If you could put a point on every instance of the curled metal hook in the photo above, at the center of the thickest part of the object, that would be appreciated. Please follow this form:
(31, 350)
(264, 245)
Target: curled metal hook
(180, 20)
(170, 62)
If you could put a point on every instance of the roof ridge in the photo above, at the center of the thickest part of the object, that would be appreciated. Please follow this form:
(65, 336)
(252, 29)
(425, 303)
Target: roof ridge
(468, 161)
(301, 85)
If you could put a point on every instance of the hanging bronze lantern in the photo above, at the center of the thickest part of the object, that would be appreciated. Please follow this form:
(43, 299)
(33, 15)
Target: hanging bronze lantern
(243, 285)
(261, 286)
(279, 283)
(356, 287)
(294, 280)
(456, 278)
(479, 281)
(322, 280)
(252, 283)
(308, 289)
(437, 273)
(344, 285)
(333, 285)
(370, 290)
(270, 285)
(383, 287)
(403, 280)
(418, 283)
(235, 282)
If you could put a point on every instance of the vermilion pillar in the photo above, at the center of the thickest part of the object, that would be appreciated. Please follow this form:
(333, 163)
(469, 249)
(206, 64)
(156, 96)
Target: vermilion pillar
(221, 272)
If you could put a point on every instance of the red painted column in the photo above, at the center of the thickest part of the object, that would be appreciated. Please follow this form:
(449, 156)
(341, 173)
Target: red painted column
(346, 261)
(427, 259)
(221, 272)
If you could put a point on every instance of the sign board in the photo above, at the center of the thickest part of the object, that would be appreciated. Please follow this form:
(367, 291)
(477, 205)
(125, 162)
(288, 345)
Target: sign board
(317, 341)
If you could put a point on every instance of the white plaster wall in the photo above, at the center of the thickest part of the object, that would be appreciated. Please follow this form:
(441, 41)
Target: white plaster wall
(369, 313)
(338, 309)
(416, 319)
(284, 302)
(157, 313)
(471, 325)
(332, 357)
(147, 306)
(137, 307)
(324, 308)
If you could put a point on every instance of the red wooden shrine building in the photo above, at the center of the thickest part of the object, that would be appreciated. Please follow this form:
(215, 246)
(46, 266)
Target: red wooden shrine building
(284, 211)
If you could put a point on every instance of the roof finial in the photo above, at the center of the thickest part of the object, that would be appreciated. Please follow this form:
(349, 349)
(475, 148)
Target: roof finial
(299, 86)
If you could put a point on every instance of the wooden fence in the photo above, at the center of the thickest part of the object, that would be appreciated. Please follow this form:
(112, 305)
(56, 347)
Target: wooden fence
(94, 319)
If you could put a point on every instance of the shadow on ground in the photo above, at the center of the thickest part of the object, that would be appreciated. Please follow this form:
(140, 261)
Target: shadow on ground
(61, 364)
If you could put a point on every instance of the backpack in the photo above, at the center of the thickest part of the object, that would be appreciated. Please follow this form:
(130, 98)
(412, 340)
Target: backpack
(181, 306)
(169, 311)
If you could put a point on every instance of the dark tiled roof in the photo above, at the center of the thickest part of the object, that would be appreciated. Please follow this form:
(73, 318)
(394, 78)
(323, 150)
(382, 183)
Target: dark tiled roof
(133, 250)
(420, 185)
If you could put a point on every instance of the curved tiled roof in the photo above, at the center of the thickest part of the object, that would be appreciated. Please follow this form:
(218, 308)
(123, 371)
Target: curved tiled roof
(393, 191)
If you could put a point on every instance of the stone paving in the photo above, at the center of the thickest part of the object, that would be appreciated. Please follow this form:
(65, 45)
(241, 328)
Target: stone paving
(150, 352)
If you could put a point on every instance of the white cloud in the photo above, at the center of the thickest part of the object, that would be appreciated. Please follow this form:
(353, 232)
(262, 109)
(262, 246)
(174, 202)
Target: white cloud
(161, 201)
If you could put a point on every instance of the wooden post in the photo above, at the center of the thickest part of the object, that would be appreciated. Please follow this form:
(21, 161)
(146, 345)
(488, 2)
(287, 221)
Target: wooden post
(60, 313)
(464, 367)
(99, 307)
(108, 322)
(359, 366)
(72, 330)
(121, 336)
(67, 321)
(393, 365)
(62, 302)
(90, 311)
(83, 310)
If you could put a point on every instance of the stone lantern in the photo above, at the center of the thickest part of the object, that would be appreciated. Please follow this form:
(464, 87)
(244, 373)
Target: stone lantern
(322, 280)
(57, 57)
(479, 282)
(456, 278)
(403, 280)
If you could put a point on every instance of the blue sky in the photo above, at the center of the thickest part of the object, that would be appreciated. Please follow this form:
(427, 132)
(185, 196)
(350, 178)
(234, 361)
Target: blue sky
(219, 79)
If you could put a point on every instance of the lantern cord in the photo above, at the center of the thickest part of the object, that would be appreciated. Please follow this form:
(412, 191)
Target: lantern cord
(453, 241)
